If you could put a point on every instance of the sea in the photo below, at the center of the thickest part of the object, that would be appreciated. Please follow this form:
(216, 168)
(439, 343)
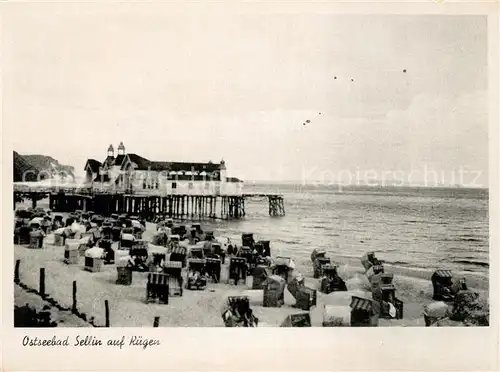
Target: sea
(413, 227)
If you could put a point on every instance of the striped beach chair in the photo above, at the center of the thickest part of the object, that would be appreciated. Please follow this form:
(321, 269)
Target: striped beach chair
(157, 289)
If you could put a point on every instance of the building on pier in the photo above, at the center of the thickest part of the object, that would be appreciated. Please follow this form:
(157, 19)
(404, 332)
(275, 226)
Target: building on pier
(129, 173)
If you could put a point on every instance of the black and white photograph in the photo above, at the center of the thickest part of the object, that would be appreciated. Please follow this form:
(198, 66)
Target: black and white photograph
(254, 170)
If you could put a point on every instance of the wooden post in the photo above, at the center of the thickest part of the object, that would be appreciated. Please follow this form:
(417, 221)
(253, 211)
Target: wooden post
(42, 282)
(156, 322)
(106, 309)
(17, 280)
(73, 308)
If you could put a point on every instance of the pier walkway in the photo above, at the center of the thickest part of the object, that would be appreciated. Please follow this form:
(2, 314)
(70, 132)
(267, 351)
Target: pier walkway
(181, 206)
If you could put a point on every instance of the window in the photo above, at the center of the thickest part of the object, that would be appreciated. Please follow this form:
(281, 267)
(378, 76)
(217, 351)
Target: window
(144, 184)
(174, 185)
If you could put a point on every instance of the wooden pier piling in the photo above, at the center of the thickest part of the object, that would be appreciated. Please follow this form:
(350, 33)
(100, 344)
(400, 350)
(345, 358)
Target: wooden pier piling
(185, 206)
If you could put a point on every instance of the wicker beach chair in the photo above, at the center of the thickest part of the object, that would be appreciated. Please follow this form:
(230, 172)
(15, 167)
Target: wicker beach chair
(248, 253)
(126, 241)
(247, 240)
(237, 269)
(179, 254)
(213, 267)
(36, 239)
(331, 281)
(305, 297)
(384, 292)
(124, 275)
(297, 320)
(237, 312)
(442, 285)
(263, 248)
(283, 266)
(274, 291)
(174, 271)
(157, 288)
(196, 277)
(22, 235)
(196, 252)
(259, 276)
(318, 264)
(364, 312)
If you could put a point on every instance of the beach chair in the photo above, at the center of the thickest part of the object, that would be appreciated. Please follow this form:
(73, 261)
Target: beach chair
(364, 312)
(283, 267)
(116, 232)
(442, 285)
(213, 267)
(197, 227)
(318, 264)
(157, 288)
(217, 251)
(196, 252)
(274, 291)
(297, 320)
(93, 259)
(22, 235)
(237, 312)
(305, 297)
(196, 276)
(387, 295)
(126, 241)
(247, 252)
(139, 252)
(368, 260)
(247, 240)
(124, 275)
(259, 276)
(331, 281)
(179, 254)
(138, 232)
(71, 254)
(208, 236)
(106, 232)
(237, 269)
(180, 231)
(158, 253)
(317, 253)
(174, 271)
(36, 239)
(169, 223)
(263, 248)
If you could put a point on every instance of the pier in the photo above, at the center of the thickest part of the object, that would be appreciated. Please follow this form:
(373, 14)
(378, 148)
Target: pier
(178, 206)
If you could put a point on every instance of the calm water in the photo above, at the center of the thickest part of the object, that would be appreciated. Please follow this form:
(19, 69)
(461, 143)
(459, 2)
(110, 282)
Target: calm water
(412, 227)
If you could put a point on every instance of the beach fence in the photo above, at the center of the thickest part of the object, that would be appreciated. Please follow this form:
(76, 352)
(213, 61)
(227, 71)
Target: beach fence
(43, 293)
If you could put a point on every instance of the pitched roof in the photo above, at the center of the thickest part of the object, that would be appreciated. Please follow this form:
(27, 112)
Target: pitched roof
(93, 164)
(140, 162)
(119, 160)
(109, 160)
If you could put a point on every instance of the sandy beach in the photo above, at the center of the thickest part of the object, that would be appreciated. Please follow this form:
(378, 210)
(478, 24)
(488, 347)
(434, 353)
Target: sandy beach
(202, 308)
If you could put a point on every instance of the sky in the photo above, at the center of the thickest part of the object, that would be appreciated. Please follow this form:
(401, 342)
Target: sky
(386, 96)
